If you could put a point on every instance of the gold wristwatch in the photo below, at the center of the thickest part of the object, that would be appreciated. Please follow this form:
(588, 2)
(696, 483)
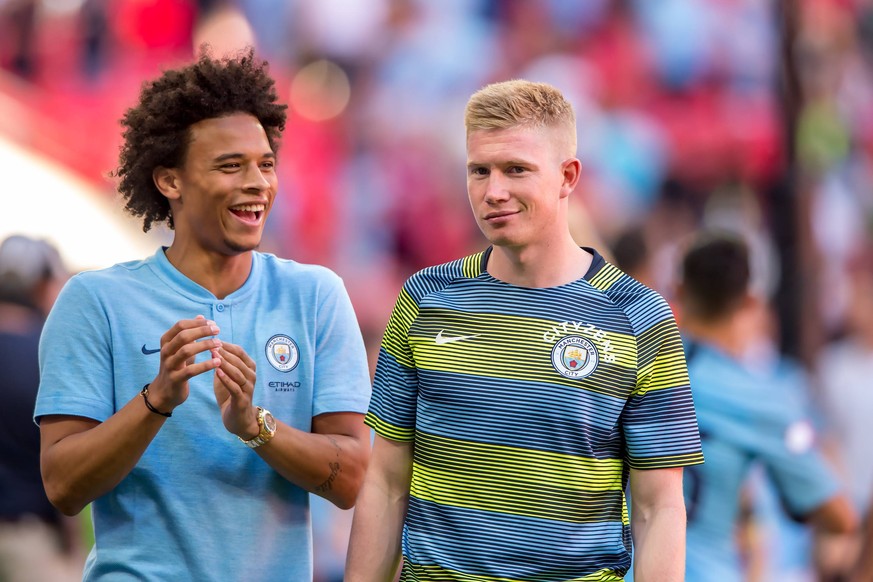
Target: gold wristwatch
(267, 424)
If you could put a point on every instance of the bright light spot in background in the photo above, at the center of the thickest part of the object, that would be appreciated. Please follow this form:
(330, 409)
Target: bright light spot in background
(320, 91)
(226, 31)
(41, 200)
(61, 7)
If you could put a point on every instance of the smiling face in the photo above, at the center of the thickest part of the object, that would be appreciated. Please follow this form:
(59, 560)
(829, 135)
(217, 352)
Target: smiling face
(222, 194)
(518, 181)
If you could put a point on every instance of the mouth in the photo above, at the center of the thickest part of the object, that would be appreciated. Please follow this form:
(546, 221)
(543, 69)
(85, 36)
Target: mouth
(249, 213)
(496, 216)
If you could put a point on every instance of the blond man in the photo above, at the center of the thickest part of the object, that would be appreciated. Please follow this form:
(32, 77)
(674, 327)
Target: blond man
(520, 389)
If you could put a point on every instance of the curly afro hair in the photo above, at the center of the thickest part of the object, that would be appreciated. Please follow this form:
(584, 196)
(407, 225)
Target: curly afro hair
(156, 130)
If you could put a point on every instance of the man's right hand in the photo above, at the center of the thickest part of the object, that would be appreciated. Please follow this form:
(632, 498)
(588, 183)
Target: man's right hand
(179, 346)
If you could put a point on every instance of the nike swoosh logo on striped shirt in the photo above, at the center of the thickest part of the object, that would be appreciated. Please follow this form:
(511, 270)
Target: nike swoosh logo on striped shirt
(147, 352)
(441, 339)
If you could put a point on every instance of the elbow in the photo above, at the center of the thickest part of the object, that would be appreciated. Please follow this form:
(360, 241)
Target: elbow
(837, 516)
(847, 524)
(67, 506)
(63, 499)
(345, 502)
(842, 527)
(344, 497)
(347, 498)
(70, 510)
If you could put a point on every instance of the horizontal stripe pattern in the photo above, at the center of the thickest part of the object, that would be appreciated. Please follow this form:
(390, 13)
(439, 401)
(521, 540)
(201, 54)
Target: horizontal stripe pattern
(527, 408)
(575, 422)
(522, 548)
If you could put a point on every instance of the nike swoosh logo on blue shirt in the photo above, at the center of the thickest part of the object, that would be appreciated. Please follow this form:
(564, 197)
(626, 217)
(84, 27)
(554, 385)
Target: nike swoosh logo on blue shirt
(147, 352)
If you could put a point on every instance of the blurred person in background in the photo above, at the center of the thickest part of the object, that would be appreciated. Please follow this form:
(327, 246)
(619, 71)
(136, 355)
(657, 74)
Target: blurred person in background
(632, 253)
(197, 397)
(520, 388)
(844, 370)
(862, 570)
(36, 541)
(750, 409)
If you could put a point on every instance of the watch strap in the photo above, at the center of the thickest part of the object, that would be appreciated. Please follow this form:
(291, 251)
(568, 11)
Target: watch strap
(265, 434)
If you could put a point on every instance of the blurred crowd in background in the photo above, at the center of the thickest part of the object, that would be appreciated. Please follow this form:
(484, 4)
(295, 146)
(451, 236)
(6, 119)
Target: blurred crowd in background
(749, 115)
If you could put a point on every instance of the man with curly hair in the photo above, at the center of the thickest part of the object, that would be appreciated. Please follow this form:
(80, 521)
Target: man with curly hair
(198, 396)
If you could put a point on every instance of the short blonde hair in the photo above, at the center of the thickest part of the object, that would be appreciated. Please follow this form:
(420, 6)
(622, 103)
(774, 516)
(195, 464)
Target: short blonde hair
(520, 103)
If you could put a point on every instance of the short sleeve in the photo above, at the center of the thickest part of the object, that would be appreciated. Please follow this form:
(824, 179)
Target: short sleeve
(75, 357)
(796, 465)
(342, 379)
(659, 421)
(395, 387)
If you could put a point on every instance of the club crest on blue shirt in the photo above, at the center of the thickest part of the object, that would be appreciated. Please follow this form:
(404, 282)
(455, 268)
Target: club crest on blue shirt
(282, 353)
(574, 357)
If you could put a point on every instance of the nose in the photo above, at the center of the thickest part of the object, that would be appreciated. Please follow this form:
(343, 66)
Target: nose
(495, 189)
(255, 178)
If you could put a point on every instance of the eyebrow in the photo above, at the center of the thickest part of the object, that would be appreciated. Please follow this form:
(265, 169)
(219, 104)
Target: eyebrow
(475, 164)
(233, 156)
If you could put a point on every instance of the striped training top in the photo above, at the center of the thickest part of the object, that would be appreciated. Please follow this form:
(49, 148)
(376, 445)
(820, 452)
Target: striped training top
(527, 407)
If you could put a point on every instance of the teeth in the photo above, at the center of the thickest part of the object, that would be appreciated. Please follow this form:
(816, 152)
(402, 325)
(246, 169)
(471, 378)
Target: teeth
(250, 207)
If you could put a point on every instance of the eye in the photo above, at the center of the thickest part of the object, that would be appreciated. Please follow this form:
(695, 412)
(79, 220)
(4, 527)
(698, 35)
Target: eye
(230, 166)
(478, 171)
(515, 170)
(269, 165)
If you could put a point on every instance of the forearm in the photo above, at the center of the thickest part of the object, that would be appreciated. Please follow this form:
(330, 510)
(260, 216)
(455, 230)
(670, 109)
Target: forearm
(329, 465)
(863, 569)
(82, 459)
(374, 545)
(659, 544)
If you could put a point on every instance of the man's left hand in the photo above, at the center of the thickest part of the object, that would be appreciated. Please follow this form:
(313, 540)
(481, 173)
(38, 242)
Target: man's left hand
(234, 385)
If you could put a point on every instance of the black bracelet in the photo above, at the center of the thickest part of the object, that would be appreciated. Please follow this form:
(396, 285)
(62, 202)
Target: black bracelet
(145, 396)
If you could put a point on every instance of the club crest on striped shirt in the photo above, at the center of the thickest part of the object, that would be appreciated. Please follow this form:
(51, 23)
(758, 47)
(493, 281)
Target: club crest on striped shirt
(282, 353)
(574, 357)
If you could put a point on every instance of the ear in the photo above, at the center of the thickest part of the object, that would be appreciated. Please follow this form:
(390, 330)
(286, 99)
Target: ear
(572, 171)
(680, 292)
(167, 182)
(752, 302)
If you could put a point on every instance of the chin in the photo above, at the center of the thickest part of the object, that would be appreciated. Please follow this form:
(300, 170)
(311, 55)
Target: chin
(499, 239)
(238, 247)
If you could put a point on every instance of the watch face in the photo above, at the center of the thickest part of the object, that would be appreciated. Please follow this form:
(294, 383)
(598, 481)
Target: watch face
(269, 422)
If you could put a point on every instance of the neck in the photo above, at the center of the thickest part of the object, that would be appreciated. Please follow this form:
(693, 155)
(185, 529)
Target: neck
(540, 267)
(726, 335)
(16, 319)
(220, 274)
(865, 336)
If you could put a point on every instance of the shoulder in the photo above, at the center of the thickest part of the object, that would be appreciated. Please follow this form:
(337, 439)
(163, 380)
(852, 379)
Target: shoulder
(103, 281)
(437, 277)
(302, 274)
(643, 306)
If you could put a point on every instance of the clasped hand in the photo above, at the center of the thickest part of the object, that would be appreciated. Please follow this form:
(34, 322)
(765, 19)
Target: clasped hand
(233, 381)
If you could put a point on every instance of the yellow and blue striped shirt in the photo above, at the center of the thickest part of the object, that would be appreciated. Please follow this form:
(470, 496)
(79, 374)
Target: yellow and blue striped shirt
(527, 408)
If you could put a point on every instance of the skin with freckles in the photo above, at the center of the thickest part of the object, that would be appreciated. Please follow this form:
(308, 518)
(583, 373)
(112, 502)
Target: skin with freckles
(445, 495)
(518, 182)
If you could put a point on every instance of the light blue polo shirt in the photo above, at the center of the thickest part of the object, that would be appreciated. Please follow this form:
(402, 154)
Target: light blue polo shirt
(200, 505)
